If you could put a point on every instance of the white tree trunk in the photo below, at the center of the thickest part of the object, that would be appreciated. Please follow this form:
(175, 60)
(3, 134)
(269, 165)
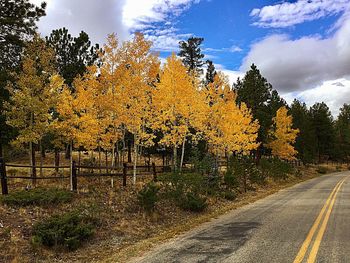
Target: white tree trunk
(182, 154)
(135, 159)
(175, 159)
(113, 162)
(71, 165)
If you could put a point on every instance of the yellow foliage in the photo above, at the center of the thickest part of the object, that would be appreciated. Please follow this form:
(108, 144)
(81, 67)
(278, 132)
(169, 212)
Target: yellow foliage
(229, 127)
(177, 103)
(35, 93)
(283, 135)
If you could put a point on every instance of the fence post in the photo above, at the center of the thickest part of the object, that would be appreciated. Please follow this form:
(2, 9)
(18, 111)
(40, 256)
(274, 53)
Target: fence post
(125, 167)
(154, 172)
(74, 177)
(4, 188)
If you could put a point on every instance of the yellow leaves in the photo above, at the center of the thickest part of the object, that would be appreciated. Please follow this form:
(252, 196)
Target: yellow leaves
(35, 93)
(129, 93)
(177, 102)
(283, 135)
(228, 127)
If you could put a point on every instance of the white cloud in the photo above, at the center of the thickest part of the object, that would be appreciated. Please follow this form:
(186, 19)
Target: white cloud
(304, 63)
(167, 42)
(333, 92)
(120, 16)
(139, 14)
(91, 16)
(232, 49)
(288, 14)
(232, 74)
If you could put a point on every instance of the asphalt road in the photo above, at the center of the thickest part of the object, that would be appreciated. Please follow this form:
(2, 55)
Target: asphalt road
(309, 222)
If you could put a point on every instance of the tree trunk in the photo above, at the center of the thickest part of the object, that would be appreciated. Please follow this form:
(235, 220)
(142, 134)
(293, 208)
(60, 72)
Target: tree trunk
(79, 159)
(32, 162)
(41, 158)
(71, 165)
(68, 152)
(129, 151)
(57, 159)
(1, 150)
(182, 154)
(117, 157)
(42, 150)
(106, 159)
(99, 158)
(175, 159)
(113, 164)
(135, 160)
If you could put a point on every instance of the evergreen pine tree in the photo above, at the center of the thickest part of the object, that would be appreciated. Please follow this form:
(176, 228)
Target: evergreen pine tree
(211, 72)
(306, 141)
(191, 54)
(73, 54)
(256, 93)
(342, 129)
(322, 122)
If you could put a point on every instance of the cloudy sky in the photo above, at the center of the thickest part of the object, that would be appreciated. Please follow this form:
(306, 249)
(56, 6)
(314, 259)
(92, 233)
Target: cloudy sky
(302, 47)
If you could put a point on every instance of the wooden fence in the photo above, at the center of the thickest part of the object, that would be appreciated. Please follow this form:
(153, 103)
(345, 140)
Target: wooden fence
(77, 171)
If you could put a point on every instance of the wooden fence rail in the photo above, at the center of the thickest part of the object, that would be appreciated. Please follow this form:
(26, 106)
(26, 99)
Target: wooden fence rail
(76, 171)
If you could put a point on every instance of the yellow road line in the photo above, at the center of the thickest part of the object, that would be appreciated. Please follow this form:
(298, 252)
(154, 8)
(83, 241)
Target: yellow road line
(318, 239)
(303, 249)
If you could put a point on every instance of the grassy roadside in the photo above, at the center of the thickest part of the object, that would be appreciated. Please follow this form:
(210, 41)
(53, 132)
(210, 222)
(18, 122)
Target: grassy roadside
(139, 248)
(124, 231)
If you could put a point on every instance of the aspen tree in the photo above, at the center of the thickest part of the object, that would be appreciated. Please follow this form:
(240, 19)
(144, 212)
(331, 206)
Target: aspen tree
(283, 135)
(229, 127)
(33, 96)
(139, 78)
(178, 106)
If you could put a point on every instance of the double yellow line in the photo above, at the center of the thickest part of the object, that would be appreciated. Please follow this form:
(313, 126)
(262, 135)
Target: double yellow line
(327, 206)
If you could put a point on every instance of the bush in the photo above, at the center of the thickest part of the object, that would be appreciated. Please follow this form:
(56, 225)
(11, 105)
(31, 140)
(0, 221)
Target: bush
(322, 170)
(203, 163)
(229, 195)
(230, 179)
(148, 197)
(38, 196)
(276, 168)
(243, 172)
(338, 168)
(193, 202)
(68, 230)
(176, 185)
(186, 190)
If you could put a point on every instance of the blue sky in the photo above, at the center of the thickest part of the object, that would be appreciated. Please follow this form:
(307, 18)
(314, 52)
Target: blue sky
(301, 46)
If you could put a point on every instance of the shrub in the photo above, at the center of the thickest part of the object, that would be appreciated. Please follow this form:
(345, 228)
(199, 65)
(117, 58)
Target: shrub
(229, 195)
(243, 171)
(276, 168)
(230, 179)
(176, 185)
(338, 168)
(193, 202)
(203, 163)
(322, 170)
(38, 196)
(68, 230)
(148, 196)
(186, 190)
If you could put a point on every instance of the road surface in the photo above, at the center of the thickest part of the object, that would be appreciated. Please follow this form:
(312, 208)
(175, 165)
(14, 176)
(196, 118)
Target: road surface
(309, 222)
